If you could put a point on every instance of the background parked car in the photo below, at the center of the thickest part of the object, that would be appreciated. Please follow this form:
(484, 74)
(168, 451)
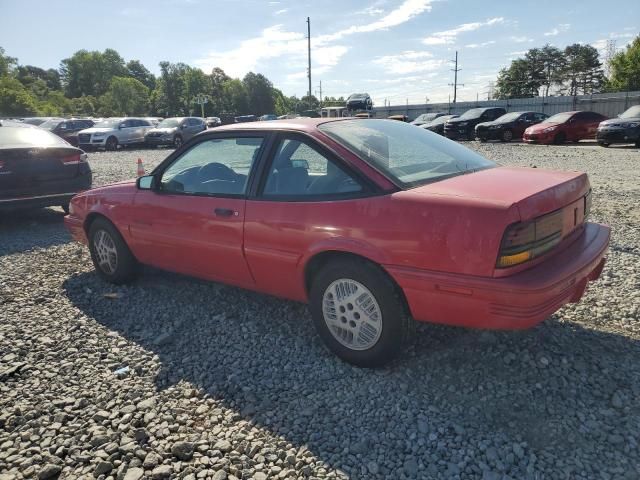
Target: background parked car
(566, 126)
(245, 118)
(359, 101)
(174, 131)
(112, 132)
(401, 118)
(623, 129)
(154, 120)
(38, 168)
(35, 120)
(213, 122)
(437, 125)
(427, 117)
(67, 129)
(268, 116)
(464, 126)
(509, 126)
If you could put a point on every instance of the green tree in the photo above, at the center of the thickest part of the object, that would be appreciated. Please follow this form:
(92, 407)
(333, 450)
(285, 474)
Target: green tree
(137, 70)
(15, 99)
(308, 103)
(169, 97)
(217, 78)
(90, 73)
(235, 97)
(259, 93)
(7, 63)
(126, 96)
(516, 81)
(583, 73)
(196, 83)
(625, 68)
(85, 105)
(27, 74)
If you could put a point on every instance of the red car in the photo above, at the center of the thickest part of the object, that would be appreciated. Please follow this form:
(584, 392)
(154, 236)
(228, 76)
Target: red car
(563, 127)
(373, 222)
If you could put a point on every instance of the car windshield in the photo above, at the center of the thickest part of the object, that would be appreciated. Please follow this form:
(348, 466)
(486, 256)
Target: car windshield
(559, 118)
(51, 124)
(425, 117)
(25, 136)
(443, 119)
(169, 123)
(410, 156)
(509, 117)
(473, 113)
(357, 96)
(109, 123)
(633, 112)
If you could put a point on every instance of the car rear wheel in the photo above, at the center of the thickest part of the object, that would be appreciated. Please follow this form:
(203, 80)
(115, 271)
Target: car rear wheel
(112, 144)
(65, 207)
(111, 256)
(507, 135)
(559, 138)
(177, 141)
(359, 313)
(603, 144)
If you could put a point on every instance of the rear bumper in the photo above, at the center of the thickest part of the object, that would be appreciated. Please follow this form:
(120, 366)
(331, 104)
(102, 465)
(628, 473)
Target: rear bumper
(37, 201)
(515, 302)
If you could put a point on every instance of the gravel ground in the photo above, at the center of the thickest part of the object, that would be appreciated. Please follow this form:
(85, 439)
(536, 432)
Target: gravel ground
(176, 378)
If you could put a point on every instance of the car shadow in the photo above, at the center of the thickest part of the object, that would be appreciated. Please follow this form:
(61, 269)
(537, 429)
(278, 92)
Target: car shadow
(548, 389)
(23, 230)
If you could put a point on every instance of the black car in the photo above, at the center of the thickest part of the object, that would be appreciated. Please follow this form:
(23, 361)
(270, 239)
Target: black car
(624, 129)
(67, 129)
(245, 118)
(38, 168)
(464, 126)
(427, 117)
(437, 125)
(359, 101)
(509, 126)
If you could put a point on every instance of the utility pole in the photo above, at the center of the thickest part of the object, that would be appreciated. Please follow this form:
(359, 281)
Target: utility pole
(455, 71)
(320, 89)
(309, 52)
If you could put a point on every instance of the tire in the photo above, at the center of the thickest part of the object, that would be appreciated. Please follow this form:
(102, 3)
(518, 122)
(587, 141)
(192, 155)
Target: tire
(111, 145)
(104, 242)
(482, 140)
(559, 138)
(603, 144)
(507, 135)
(177, 141)
(374, 347)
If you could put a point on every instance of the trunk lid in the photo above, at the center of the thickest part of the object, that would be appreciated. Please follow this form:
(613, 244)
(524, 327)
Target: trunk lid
(36, 171)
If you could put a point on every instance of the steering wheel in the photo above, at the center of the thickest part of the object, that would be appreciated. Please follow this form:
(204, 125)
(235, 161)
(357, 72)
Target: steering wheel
(216, 171)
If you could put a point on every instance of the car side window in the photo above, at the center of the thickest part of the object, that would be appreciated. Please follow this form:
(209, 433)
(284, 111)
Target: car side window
(299, 170)
(218, 166)
(538, 117)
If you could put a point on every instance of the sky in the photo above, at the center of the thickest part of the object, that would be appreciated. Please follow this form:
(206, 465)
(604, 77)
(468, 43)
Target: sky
(395, 50)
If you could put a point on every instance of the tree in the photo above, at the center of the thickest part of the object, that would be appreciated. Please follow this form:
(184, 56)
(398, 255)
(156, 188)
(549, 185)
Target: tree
(126, 96)
(196, 83)
(6, 63)
(235, 97)
(625, 68)
(216, 90)
(90, 73)
(15, 99)
(516, 81)
(583, 72)
(553, 64)
(259, 93)
(308, 103)
(170, 89)
(137, 70)
(28, 74)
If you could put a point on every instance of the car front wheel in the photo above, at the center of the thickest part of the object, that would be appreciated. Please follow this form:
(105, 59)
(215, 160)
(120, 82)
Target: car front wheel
(111, 256)
(112, 144)
(359, 313)
(177, 141)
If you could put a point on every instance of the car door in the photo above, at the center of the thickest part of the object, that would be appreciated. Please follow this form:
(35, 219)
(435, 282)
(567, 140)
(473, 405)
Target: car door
(306, 196)
(192, 220)
(192, 128)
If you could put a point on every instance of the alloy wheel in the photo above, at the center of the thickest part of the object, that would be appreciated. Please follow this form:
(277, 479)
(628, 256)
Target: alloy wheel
(352, 314)
(106, 251)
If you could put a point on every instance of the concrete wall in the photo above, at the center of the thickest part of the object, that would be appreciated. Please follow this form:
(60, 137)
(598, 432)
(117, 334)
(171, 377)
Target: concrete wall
(609, 104)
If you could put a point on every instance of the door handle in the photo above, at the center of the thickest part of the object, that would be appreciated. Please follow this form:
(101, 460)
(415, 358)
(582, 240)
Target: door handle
(223, 212)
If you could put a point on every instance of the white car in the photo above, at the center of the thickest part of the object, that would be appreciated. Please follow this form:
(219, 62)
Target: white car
(111, 132)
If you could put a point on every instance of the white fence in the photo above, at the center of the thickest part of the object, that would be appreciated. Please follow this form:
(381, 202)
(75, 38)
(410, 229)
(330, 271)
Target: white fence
(609, 104)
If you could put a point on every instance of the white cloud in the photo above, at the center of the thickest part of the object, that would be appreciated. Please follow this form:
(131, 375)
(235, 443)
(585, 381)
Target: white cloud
(480, 45)
(409, 62)
(281, 11)
(449, 36)
(563, 27)
(523, 39)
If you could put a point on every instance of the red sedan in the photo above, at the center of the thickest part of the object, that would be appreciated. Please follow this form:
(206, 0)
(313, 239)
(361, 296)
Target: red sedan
(563, 127)
(373, 222)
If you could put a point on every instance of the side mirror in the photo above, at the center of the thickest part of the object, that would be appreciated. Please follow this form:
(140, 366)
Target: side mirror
(300, 164)
(145, 182)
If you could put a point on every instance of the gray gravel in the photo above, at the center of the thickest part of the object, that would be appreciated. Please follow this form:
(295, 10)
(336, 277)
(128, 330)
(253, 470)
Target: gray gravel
(219, 383)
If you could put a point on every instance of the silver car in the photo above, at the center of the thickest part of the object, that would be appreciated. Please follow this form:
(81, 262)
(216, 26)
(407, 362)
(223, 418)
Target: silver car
(112, 132)
(175, 131)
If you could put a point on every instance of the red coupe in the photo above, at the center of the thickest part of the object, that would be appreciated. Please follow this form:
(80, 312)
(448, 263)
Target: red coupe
(563, 127)
(373, 222)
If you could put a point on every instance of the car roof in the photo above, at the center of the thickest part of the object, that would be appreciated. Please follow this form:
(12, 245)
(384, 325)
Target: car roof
(299, 124)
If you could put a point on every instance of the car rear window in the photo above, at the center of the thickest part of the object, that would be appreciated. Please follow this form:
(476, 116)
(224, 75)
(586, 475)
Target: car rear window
(410, 156)
(24, 136)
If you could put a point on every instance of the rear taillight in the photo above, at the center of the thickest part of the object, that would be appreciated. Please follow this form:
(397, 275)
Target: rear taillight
(524, 241)
(74, 159)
